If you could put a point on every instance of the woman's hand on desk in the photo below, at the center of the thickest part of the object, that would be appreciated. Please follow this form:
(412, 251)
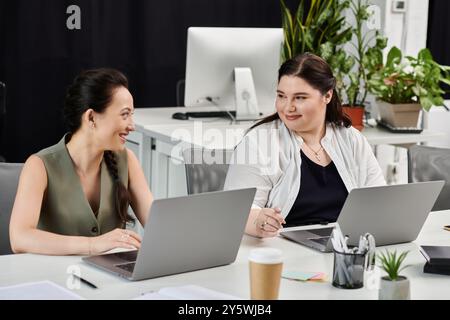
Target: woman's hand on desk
(118, 238)
(266, 222)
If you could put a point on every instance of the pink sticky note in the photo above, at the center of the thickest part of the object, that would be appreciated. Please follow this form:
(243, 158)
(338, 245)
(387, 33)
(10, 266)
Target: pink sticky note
(318, 276)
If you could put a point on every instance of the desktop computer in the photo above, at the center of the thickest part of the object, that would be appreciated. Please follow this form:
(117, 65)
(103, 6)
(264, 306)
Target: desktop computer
(233, 69)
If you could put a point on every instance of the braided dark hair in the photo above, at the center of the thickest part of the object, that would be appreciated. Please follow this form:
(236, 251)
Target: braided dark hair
(121, 195)
(94, 89)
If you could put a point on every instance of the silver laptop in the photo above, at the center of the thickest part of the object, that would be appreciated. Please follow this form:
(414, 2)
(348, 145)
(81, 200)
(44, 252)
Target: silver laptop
(392, 214)
(185, 234)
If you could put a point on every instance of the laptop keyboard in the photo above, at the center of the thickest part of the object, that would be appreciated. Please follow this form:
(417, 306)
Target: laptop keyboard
(323, 240)
(127, 255)
(324, 232)
(126, 266)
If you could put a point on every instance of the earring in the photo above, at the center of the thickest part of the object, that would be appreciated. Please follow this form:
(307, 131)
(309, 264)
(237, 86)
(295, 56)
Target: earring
(92, 124)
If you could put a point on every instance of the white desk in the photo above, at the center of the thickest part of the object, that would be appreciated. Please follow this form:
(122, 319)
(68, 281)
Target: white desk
(157, 134)
(158, 123)
(234, 279)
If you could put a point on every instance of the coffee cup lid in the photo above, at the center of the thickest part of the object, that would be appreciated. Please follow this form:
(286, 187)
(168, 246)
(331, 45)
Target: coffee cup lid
(266, 255)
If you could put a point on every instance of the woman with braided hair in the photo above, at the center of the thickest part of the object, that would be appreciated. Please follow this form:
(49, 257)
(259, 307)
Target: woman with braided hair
(73, 197)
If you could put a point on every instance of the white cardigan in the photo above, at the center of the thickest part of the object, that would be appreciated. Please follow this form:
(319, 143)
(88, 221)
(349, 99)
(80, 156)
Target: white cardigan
(268, 158)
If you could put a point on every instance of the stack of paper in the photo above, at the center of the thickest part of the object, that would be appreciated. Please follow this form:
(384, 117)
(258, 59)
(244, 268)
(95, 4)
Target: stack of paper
(44, 290)
(304, 276)
(190, 292)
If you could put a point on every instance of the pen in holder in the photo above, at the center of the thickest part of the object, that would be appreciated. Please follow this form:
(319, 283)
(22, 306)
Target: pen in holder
(348, 271)
(350, 263)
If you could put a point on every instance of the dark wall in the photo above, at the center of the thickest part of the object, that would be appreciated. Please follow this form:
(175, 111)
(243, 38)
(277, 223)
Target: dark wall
(146, 39)
(438, 35)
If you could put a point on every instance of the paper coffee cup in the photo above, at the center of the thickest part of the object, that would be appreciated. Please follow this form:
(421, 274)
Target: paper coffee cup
(266, 265)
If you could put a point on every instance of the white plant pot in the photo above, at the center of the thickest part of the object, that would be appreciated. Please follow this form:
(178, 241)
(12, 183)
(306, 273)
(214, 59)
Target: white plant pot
(399, 115)
(394, 290)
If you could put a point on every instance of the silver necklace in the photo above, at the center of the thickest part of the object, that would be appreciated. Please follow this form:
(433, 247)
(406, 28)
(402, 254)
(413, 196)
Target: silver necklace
(316, 153)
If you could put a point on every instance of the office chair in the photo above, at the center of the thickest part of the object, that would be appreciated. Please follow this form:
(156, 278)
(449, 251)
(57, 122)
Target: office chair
(180, 92)
(2, 114)
(9, 179)
(429, 164)
(206, 169)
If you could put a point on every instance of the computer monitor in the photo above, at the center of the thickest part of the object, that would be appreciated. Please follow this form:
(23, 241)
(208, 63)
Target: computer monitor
(233, 69)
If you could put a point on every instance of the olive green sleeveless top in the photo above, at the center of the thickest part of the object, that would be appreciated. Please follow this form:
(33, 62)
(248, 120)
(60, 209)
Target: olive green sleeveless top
(65, 208)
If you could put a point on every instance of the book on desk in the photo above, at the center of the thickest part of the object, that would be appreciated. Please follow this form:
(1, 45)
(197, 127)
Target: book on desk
(438, 259)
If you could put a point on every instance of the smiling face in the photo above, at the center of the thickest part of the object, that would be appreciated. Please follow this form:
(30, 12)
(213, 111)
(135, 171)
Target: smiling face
(116, 122)
(301, 107)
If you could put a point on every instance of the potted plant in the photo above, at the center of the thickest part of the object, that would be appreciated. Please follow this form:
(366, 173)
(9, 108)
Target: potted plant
(315, 29)
(404, 86)
(350, 68)
(393, 286)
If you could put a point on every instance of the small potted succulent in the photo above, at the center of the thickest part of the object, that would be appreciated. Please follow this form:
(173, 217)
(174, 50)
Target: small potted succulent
(393, 286)
(406, 85)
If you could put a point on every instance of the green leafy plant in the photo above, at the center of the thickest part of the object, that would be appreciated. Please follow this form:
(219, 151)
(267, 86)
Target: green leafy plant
(350, 67)
(408, 79)
(320, 28)
(391, 263)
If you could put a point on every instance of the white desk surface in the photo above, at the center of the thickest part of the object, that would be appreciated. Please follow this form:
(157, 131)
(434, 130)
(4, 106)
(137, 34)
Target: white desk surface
(234, 278)
(158, 123)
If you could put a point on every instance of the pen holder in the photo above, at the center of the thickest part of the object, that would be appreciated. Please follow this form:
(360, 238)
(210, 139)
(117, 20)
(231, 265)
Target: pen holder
(348, 271)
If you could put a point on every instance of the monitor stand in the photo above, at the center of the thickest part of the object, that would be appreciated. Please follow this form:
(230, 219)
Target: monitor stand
(245, 95)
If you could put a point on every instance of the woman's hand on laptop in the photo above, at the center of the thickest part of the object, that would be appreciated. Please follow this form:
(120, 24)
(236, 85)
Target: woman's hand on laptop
(267, 222)
(118, 238)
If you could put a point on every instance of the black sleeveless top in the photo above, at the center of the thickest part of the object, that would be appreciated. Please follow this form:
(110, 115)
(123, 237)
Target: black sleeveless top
(321, 197)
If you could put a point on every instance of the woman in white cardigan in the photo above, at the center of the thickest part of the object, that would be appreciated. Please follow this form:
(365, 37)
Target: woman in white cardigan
(305, 158)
